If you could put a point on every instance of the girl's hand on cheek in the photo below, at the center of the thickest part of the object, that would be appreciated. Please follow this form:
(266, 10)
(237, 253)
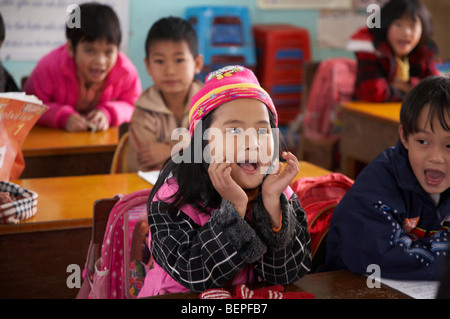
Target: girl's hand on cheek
(274, 184)
(277, 182)
(220, 175)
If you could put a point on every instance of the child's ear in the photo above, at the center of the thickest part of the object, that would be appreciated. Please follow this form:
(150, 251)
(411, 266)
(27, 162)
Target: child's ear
(198, 63)
(70, 49)
(147, 66)
(402, 136)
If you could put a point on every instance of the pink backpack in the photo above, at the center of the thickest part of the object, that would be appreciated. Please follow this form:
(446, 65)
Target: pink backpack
(333, 83)
(319, 196)
(117, 274)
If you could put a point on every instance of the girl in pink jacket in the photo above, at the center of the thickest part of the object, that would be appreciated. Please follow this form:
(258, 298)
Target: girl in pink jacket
(217, 217)
(87, 83)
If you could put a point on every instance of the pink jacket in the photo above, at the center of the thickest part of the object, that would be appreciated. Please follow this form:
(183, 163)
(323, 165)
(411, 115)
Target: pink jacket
(54, 81)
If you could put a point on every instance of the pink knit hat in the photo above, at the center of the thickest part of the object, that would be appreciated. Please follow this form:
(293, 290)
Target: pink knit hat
(224, 85)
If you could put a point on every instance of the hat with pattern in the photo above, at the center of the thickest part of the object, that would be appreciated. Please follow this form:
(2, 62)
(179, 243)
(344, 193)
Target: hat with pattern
(224, 85)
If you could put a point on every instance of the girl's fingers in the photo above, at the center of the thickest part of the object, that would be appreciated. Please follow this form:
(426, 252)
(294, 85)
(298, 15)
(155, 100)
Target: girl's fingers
(219, 173)
(291, 161)
(277, 170)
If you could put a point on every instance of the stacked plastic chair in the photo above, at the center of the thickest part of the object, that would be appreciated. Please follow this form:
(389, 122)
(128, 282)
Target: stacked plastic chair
(282, 50)
(225, 36)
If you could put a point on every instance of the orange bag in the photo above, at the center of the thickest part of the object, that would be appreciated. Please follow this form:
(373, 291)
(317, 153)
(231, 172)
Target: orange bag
(17, 117)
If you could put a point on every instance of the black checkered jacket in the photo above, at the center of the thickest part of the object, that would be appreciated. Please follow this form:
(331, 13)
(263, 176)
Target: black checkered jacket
(210, 256)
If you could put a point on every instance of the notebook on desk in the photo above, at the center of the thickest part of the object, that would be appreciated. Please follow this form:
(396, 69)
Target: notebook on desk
(414, 288)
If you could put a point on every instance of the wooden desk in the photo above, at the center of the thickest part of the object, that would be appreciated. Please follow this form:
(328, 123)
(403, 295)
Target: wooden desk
(367, 129)
(341, 284)
(51, 152)
(310, 170)
(67, 202)
(35, 253)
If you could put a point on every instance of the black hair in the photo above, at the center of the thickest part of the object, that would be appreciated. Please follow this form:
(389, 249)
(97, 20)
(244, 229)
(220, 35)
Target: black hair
(98, 22)
(435, 91)
(175, 29)
(2, 28)
(396, 9)
(194, 184)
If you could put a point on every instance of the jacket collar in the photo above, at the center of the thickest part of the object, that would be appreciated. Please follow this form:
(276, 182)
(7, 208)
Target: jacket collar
(151, 99)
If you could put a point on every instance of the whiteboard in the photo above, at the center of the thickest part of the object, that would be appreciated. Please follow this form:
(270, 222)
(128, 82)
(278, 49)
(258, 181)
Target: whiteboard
(334, 28)
(35, 27)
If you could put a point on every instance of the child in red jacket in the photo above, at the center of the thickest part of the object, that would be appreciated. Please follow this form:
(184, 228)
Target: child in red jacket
(395, 57)
(87, 83)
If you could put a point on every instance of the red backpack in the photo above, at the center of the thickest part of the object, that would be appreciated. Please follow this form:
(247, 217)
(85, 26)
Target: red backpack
(318, 197)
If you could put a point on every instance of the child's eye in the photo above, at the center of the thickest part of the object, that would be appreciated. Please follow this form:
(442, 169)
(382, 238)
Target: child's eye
(180, 60)
(234, 130)
(397, 23)
(422, 142)
(263, 131)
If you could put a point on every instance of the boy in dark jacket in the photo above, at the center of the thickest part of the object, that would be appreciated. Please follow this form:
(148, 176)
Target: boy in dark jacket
(397, 214)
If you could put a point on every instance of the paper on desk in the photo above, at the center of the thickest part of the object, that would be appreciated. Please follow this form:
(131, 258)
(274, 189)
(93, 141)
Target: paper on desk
(416, 289)
(21, 96)
(150, 176)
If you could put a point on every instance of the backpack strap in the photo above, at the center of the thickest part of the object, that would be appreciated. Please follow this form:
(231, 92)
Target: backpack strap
(168, 189)
(288, 192)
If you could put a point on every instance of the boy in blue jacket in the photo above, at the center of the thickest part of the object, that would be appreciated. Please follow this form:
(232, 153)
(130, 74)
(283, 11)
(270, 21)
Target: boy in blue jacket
(397, 214)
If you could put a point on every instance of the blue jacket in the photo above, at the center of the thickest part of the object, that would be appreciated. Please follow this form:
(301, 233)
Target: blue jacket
(387, 219)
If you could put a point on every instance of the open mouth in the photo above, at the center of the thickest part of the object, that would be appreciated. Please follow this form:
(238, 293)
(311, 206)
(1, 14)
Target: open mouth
(97, 73)
(434, 177)
(403, 43)
(248, 167)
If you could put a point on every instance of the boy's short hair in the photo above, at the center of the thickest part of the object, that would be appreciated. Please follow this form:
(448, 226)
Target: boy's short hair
(175, 29)
(396, 9)
(98, 21)
(435, 91)
(2, 29)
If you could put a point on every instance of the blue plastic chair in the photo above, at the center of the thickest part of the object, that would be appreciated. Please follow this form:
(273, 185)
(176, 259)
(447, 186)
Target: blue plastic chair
(223, 31)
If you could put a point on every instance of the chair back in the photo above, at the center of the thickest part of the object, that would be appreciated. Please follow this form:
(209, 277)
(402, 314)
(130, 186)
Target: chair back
(120, 158)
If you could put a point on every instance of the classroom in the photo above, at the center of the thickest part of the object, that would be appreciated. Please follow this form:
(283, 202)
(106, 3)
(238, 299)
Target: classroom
(88, 148)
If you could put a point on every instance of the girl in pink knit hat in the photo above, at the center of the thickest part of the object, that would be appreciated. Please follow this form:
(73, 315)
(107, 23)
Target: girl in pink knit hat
(225, 215)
